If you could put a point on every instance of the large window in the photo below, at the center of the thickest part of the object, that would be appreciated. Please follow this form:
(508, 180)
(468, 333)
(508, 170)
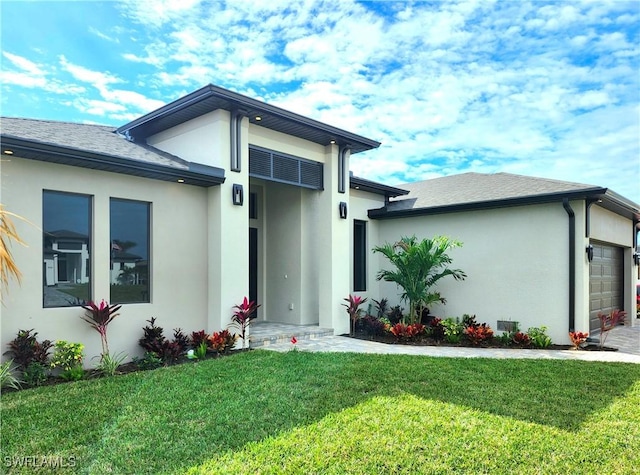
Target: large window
(129, 251)
(359, 255)
(66, 249)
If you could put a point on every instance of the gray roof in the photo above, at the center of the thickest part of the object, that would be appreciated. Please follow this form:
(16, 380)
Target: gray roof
(98, 147)
(210, 98)
(468, 191)
(86, 137)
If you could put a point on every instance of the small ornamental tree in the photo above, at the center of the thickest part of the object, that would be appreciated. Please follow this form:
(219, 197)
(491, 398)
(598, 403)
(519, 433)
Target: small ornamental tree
(99, 317)
(242, 316)
(419, 265)
(354, 310)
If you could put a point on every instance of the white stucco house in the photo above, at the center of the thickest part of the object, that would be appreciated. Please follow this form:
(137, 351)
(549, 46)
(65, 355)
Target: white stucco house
(182, 212)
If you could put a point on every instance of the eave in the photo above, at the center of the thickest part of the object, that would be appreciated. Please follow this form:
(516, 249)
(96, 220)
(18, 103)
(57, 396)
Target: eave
(192, 174)
(211, 98)
(357, 183)
(595, 193)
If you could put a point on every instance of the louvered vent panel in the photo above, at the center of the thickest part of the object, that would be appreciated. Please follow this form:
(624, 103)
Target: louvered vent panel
(286, 169)
(260, 163)
(311, 174)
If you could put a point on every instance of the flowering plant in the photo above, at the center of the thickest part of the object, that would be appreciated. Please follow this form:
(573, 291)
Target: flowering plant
(354, 310)
(577, 339)
(99, 317)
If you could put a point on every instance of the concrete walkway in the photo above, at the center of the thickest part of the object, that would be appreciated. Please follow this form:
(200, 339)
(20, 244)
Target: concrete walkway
(312, 338)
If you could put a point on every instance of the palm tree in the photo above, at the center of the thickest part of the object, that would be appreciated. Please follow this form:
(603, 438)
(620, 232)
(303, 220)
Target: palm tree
(418, 267)
(8, 267)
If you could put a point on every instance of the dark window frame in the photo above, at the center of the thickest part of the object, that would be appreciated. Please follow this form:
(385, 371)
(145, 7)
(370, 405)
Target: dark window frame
(52, 279)
(145, 294)
(359, 255)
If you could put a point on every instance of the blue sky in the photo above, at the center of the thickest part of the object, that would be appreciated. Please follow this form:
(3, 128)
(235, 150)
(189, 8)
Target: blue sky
(548, 89)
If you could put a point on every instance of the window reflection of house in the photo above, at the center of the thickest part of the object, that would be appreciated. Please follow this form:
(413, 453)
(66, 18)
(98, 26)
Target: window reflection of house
(66, 257)
(128, 268)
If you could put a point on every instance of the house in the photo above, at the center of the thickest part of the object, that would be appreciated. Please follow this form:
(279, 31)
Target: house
(182, 212)
(536, 251)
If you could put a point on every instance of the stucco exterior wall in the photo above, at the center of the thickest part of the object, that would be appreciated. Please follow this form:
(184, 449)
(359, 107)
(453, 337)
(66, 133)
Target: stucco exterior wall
(272, 140)
(179, 255)
(516, 260)
(609, 227)
(204, 139)
(360, 202)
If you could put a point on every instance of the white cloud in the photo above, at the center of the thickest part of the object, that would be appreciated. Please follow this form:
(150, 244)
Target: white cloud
(546, 88)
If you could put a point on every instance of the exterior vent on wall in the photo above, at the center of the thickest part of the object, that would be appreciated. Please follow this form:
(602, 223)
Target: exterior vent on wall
(285, 168)
(507, 325)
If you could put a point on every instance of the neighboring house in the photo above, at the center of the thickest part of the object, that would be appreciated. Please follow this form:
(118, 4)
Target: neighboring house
(181, 213)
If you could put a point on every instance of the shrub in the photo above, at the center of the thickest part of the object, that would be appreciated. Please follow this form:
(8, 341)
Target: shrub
(371, 325)
(153, 337)
(396, 314)
(35, 374)
(478, 333)
(539, 337)
(435, 329)
(25, 349)
(382, 307)
(199, 337)
(578, 339)
(68, 357)
(181, 339)
(402, 331)
(201, 350)
(148, 361)
(7, 377)
(109, 364)
(522, 339)
(452, 330)
(222, 341)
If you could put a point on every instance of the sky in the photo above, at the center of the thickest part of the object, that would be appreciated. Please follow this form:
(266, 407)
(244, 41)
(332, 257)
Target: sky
(541, 88)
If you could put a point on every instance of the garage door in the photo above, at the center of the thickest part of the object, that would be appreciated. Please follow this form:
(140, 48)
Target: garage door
(606, 282)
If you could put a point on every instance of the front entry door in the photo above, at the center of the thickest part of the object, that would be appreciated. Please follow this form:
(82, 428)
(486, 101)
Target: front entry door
(253, 264)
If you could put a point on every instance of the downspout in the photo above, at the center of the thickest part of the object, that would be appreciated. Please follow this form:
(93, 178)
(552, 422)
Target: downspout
(572, 263)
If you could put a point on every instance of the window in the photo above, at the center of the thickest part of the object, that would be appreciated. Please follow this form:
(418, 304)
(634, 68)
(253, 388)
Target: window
(359, 255)
(129, 251)
(66, 224)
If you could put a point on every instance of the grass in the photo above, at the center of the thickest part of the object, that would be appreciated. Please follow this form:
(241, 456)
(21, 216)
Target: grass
(265, 412)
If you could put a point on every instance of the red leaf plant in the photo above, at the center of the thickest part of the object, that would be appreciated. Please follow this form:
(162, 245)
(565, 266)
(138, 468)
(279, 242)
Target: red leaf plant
(354, 310)
(222, 341)
(99, 317)
(608, 322)
(577, 339)
(478, 333)
(400, 330)
(242, 316)
(520, 338)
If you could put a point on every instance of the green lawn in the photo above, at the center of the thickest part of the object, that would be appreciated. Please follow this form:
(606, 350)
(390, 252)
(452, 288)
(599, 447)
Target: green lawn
(266, 412)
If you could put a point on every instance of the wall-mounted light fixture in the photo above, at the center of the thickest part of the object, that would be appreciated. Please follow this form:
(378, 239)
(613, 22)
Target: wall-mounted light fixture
(589, 251)
(343, 210)
(636, 258)
(238, 194)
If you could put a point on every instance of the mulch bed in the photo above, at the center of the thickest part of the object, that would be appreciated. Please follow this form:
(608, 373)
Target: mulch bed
(428, 341)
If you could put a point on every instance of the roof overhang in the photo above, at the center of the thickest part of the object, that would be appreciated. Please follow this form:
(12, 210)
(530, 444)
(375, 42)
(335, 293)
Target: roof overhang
(211, 98)
(192, 174)
(358, 183)
(604, 197)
